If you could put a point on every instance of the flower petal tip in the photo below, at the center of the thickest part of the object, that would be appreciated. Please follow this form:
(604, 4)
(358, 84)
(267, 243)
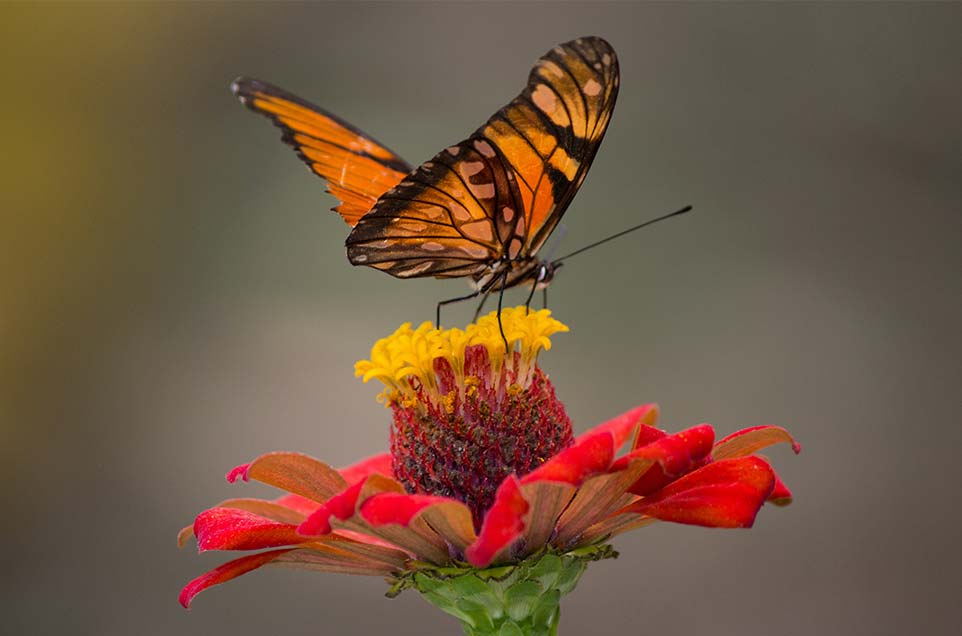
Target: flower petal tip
(226, 572)
(185, 597)
(239, 472)
(184, 536)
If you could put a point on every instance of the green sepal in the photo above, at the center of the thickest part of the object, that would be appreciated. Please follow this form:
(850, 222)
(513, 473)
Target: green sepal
(522, 599)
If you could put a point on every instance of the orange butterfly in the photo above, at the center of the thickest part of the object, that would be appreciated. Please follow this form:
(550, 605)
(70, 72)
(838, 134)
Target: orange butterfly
(481, 208)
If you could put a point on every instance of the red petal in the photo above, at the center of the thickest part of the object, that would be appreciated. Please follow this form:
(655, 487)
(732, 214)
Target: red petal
(226, 572)
(293, 472)
(673, 456)
(723, 494)
(418, 523)
(781, 495)
(234, 529)
(379, 464)
(341, 505)
(647, 435)
(752, 440)
(621, 427)
(395, 507)
(502, 524)
(591, 454)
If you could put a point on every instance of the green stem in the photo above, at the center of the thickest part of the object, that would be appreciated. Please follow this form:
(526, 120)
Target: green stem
(516, 600)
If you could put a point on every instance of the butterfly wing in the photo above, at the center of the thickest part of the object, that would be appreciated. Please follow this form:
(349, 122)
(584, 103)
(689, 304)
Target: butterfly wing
(550, 133)
(500, 193)
(357, 168)
(451, 217)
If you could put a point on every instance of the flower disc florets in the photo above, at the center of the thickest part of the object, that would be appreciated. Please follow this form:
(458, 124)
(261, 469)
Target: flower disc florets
(468, 412)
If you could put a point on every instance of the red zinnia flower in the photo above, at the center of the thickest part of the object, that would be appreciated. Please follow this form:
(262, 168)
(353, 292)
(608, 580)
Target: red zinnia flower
(485, 484)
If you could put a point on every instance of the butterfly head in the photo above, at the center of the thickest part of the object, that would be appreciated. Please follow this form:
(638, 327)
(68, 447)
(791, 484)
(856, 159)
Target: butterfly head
(544, 273)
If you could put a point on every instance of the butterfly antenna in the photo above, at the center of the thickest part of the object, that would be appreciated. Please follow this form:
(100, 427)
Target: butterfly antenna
(687, 208)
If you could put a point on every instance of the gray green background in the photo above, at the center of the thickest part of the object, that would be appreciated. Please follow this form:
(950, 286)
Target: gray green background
(176, 300)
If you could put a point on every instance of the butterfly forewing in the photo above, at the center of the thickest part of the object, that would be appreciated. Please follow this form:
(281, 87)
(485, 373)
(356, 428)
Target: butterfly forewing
(498, 195)
(357, 168)
(551, 132)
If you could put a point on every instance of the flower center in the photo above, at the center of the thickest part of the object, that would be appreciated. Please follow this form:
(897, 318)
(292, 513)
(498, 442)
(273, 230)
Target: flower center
(468, 413)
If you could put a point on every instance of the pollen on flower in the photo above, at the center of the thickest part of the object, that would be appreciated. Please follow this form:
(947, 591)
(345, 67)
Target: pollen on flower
(468, 413)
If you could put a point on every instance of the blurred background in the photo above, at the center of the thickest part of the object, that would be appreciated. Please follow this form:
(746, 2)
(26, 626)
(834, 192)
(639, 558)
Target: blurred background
(176, 299)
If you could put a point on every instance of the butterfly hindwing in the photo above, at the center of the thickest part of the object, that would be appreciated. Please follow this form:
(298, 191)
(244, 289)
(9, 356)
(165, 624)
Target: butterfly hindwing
(500, 193)
(451, 217)
(357, 168)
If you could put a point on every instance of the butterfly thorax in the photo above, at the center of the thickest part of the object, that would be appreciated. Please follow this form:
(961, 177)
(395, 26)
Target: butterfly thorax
(532, 271)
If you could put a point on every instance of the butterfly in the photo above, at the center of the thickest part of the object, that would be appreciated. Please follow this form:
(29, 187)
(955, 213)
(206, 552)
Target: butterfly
(481, 208)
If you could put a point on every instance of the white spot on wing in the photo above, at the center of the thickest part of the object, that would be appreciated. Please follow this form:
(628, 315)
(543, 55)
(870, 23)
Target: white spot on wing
(432, 246)
(483, 191)
(469, 168)
(514, 249)
(592, 88)
(479, 230)
(544, 99)
(417, 269)
(484, 148)
(460, 213)
(476, 251)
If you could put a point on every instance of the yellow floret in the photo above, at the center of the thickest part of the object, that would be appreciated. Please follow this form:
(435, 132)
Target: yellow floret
(404, 361)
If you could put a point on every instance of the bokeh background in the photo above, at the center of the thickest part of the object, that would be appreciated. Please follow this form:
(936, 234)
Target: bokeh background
(176, 300)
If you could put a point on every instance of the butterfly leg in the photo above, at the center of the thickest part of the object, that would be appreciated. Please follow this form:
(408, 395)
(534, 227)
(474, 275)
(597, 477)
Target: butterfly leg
(437, 316)
(544, 297)
(484, 299)
(504, 282)
(527, 303)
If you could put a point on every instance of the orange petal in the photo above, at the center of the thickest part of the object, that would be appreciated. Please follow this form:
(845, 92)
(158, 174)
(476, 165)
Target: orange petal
(752, 440)
(294, 472)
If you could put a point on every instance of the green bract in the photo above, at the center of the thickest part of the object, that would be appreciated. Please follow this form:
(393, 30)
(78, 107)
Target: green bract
(514, 600)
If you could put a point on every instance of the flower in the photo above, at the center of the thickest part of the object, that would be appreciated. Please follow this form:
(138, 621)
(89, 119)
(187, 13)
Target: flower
(485, 485)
